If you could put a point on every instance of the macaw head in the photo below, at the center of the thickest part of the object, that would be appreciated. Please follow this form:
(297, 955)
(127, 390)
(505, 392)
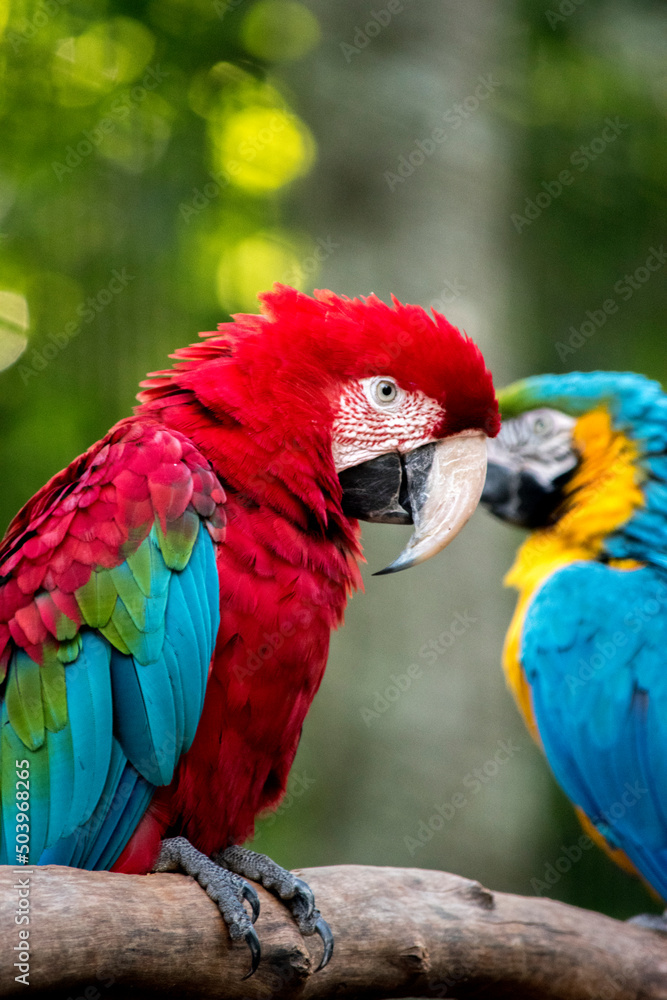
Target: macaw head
(386, 408)
(584, 452)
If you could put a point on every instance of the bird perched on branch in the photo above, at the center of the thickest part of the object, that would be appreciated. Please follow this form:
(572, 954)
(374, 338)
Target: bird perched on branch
(582, 461)
(166, 601)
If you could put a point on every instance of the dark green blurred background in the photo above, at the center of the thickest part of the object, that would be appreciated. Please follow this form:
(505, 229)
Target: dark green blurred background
(162, 162)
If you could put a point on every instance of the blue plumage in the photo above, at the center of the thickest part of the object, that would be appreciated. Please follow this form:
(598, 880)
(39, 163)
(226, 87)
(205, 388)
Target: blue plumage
(593, 641)
(602, 712)
(93, 787)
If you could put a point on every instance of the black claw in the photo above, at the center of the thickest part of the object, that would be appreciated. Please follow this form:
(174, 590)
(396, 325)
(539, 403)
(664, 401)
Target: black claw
(304, 890)
(322, 928)
(252, 897)
(252, 941)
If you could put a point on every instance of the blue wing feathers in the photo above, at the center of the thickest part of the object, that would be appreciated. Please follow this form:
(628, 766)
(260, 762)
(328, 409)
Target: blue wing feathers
(183, 642)
(196, 598)
(127, 803)
(129, 717)
(601, 704)
(61, 783)
(84, 847)
(90, 719)
(212, 589)
(144, 715)
(176, 682)
(87, 836)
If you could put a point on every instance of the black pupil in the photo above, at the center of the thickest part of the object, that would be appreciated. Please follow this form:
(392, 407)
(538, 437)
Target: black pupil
(387, 389)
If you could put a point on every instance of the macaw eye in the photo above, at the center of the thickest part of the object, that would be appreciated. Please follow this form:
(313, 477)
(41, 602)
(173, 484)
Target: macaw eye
(542, 424)
(384, 391)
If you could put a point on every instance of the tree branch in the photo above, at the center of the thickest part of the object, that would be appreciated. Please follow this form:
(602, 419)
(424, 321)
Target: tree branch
(399, 932)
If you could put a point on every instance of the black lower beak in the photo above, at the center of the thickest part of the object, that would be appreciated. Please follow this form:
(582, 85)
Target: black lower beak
(377, 490)
(436, 487)
(388, 489)
(516, 496)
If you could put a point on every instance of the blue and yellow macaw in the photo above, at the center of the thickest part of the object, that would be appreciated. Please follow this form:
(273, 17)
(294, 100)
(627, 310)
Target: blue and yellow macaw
(582, 461)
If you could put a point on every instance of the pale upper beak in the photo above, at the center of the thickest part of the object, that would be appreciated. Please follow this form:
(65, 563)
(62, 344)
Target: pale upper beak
(436, 487)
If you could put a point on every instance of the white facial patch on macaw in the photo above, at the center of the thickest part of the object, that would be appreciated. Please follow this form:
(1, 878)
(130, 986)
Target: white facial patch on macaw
(539, 441)
(376, 416)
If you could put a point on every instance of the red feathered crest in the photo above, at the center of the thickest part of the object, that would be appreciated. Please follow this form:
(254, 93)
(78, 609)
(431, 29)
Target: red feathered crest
(323, 341)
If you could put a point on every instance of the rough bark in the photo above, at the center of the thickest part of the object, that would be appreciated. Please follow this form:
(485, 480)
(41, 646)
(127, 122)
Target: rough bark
(399, 932)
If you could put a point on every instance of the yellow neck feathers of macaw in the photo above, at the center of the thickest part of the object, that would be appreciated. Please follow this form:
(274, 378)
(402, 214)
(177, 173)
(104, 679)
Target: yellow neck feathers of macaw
(601, 496)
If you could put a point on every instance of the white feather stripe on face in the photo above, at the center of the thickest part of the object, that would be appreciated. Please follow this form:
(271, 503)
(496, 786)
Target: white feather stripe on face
(364, 428)
(538, 441)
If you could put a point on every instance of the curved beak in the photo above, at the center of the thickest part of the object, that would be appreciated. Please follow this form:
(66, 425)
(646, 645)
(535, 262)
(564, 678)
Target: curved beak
(435, 487)
(515, 495)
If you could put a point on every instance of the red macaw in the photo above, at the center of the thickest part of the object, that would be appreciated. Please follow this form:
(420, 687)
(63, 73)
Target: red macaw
(166, 600)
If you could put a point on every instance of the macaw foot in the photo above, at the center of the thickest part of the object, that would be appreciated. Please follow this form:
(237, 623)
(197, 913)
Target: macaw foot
(651, 921)
(225, 888)
(223, 879)
(294, 892)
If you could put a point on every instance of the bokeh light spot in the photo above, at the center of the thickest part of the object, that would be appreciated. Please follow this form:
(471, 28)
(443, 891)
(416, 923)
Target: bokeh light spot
(109, 54)
(14, 322)
(261, 148)
(4, 15)
(139, 139)
(251, 266)
(210, 87)
(280, 30)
